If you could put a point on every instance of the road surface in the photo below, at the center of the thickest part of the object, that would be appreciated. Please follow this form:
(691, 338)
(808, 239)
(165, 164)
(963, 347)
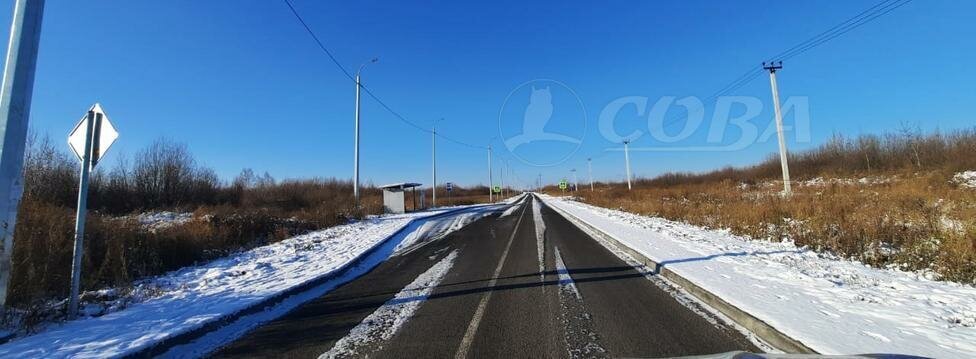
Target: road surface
(485, 291)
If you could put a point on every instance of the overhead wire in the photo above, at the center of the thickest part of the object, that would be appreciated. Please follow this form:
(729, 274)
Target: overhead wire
(365, 89)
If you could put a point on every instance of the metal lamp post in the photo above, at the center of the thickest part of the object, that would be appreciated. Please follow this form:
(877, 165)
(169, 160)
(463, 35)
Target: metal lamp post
(355, 155)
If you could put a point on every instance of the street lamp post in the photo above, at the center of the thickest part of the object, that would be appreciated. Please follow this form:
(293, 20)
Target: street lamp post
(433, 160)
(589, 170)
(575, 181)
(627, 160)
(355, 153)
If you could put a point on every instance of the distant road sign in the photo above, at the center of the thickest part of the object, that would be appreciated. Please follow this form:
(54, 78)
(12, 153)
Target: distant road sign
(450, 186)
(563, 184)
(498, 189)
(103, 135)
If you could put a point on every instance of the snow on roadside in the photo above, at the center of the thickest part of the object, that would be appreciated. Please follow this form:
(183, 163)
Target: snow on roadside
(832, 305)
(438, 228)
(194, 296)
(386, 320)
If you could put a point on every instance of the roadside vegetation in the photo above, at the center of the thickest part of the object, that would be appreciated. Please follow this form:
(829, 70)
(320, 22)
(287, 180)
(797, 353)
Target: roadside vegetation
(901, 200)
(157, 212)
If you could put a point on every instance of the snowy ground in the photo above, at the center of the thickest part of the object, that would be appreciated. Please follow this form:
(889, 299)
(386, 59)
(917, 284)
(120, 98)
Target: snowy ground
(832, 305)
(158, 220)
(966, 179)
(195, 296)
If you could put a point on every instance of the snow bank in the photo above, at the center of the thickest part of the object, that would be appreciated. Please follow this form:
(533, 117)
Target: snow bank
(832, 305)
(194, 296)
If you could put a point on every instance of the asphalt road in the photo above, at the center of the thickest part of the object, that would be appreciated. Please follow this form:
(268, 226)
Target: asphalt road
(497, 300)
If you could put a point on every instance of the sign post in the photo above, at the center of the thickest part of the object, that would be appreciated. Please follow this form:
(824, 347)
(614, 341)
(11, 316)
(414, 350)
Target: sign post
(450, 187)
(89, 140)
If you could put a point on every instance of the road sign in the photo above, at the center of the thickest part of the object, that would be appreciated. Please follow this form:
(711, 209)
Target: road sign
(89, 140)
(498, 189)
(103, 135)
(449, 186)
(563, 184)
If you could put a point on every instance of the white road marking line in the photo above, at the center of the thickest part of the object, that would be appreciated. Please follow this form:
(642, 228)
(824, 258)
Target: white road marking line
(386, 320)
(565, 280)
(480, 312)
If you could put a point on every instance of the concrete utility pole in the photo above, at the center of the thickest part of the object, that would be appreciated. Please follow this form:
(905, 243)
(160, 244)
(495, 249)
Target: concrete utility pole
(575, 181)
(627, 160)
(490, 183)
(15, 104)
(433, 161)
(772, 67)
(501, 178)
(589, 170)
(355, 151)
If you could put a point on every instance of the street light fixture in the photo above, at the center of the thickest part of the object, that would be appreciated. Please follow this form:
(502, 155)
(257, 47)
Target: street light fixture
(355, 153)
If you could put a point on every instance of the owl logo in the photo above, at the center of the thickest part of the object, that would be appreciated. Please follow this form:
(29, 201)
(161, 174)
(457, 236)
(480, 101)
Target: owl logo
(537, 115)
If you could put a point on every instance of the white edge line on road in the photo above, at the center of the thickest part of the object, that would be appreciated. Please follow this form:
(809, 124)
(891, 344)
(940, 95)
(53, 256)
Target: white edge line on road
(480, 312)
(386, 320)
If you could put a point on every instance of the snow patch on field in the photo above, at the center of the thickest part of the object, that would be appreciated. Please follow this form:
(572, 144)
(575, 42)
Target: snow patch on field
(833, 305)
(965, 179)
(863, 181)
(194, 296)
(383, 323)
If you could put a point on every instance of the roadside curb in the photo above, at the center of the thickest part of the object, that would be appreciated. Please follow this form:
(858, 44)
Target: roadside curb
(761, 329)
(188, 336)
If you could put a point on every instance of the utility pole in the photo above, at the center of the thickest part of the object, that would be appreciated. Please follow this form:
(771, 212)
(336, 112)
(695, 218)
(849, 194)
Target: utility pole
(433, 161)
(538, 184)
(15, 103)
(575, 181)
(490, 183)
(355, 151)
(589, 170)
(501, 176)
(772, 67)
(627, 160)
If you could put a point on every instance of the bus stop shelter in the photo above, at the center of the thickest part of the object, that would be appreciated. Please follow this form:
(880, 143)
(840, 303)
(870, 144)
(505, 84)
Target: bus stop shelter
(393, 196)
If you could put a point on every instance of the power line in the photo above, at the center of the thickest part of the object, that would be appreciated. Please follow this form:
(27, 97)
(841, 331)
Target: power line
(864, 17)
(369, 92)
(845, 27)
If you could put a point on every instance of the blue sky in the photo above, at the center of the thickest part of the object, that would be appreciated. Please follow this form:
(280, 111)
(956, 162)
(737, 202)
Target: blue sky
(244, 86)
